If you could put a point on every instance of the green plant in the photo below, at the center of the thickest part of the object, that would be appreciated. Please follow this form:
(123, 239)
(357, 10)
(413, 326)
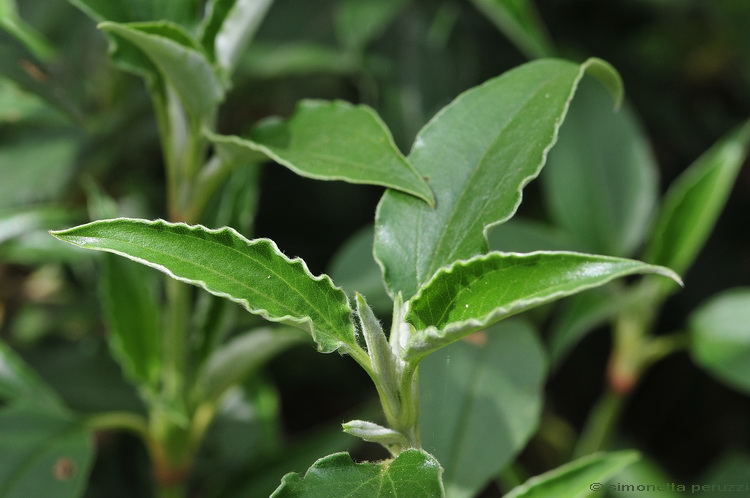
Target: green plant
(475, 157)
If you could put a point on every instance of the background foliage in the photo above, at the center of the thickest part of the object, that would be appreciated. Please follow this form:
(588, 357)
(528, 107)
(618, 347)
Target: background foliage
(71, 124)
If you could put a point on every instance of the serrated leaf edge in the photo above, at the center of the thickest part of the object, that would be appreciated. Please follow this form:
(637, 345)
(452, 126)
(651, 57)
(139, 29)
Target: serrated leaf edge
(305, 323)
(422, 336)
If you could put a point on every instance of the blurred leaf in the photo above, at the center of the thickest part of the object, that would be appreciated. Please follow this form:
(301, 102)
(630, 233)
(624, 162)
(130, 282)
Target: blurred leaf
(35, 168)
(333, 141)
(44, 453)
(729, 470)
(18, 64)
(480, 402)
(472, 294)
(600, 182)
(644, 471)
(19, 221)
(264, 60)
(354, 269)
(253, 273)
(243, 355)
(183, 12)
(19, 382)
(360, 21)
(477, 154)
(179, 62)
(229, 27)
(134, 319)
(694, 201)
(720, 337)
(31, 38)
(413, 473)
(519, 21)
(581, 314)
(583, 477)
(519, 235)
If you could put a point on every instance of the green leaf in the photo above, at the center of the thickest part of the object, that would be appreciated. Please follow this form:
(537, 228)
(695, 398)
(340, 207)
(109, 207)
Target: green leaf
(179, 62)
(19, 382)
(20, 221)
(183, 12)
(243, 355)
(353, 268)
(519, 21)
(358, 21)
(413, 473)
(44, 453)
(477, 153)
(133, 317)
(720, 337)
(25, 167)
(600, 181)
(473, 294)
(480, 402)
(228, 28)
(253, 273)
(30, 37)
(333, 141)
(294, 59)
(520, 235)
(694, 201)
(583, 477)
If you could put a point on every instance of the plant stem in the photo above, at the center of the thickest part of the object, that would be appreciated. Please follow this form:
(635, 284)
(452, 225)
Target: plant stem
(119, 420)
(600, 425)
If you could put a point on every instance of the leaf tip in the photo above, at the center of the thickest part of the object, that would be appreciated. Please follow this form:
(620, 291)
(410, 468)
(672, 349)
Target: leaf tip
(607, 76)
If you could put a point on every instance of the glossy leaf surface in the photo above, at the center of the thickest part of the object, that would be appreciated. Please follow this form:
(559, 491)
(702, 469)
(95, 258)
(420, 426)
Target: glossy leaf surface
(43, 453)
(334, 141)
(413, 473)
(577, 479)
(480, 401)
(473, 294)
(694, 202)
(253, 273)
(720, 337)
(600, 181)
(476, 171)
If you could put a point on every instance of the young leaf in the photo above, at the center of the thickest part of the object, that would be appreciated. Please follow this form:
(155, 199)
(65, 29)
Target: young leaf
(600, 182)
(694, 202)
(520, 22)
(19, 382)
(472, 294)
(179, 62)
(577, 479)
(720, 337)
(413, 473)
(43, 453)
(229, 26)
(334, 141)
(478, 153)
(253, 273)
(480, 402)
